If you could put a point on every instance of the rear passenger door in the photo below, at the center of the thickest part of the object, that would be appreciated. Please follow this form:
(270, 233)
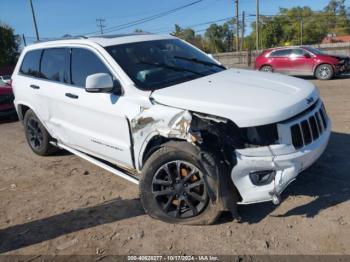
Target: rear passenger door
(28, 80)
(54, 76)
(94, 123)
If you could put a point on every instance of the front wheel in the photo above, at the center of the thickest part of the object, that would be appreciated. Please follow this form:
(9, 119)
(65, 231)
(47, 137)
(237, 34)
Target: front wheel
(174, 187)
(324, 72)
(266, 68)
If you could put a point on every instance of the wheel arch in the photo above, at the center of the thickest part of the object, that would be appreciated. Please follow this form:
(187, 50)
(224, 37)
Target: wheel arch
(157, 141)
(22, 108)
(322, 63)
(265, 64)
(151, 145)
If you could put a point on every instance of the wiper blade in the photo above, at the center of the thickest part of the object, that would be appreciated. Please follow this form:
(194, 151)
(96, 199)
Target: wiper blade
(198, 61)
(175, 68)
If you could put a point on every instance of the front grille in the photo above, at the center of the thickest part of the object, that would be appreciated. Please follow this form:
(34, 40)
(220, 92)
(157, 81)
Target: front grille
(310, 129)
(6, 99)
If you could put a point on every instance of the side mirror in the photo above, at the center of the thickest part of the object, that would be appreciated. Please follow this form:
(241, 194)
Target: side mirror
(99, 83)
(307, 55)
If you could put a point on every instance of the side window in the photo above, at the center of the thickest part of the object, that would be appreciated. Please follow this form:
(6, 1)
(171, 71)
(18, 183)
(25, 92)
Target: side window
(55, 65)
(298, 52)
(30, 65)
(85, 63)
(281, 53)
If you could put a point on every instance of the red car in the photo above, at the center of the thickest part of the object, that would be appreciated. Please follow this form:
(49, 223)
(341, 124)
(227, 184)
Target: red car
(7, 107)
(301, 61)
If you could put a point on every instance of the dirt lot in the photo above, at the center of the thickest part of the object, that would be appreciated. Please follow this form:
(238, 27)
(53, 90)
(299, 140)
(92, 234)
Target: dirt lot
(64, 205)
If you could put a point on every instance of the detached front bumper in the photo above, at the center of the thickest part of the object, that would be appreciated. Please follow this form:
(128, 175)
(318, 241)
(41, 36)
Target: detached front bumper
(283, 160)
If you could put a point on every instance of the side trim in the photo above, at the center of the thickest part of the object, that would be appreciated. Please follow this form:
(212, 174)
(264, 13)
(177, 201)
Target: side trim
(100, 164)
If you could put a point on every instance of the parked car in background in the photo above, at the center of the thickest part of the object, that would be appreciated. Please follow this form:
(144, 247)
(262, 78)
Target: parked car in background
(7, 107)
(6, 78)
(302, 61)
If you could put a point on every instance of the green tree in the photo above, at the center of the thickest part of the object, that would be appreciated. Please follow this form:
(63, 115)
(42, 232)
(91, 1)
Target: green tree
(189, 35)
(337, 17)
(291, 26)
(9, 44)
(214, 35)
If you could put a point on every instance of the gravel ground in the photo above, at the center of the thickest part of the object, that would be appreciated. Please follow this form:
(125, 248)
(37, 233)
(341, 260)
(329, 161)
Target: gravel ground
(64, 205)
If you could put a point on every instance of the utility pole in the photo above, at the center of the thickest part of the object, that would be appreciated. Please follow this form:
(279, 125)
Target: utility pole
(34, 20)
(24, 40)
(301, 30)
(257, 25)
(100, 24)
(243, 29)
(237, 26)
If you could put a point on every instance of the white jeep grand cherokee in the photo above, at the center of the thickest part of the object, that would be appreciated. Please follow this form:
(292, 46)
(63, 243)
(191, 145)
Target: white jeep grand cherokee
(196, 137)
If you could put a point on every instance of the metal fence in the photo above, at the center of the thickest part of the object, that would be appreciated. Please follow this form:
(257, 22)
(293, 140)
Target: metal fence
(246, 59)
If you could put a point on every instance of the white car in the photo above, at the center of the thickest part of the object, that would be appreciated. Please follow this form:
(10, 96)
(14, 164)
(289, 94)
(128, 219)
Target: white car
(198, 138)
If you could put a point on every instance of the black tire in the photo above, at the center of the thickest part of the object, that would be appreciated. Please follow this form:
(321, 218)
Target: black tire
(266, 68)
(324, 72)
(154, 204)
(37, 136)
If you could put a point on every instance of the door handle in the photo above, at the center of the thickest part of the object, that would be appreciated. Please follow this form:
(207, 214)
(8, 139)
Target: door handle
(73, 96)
(35, 86)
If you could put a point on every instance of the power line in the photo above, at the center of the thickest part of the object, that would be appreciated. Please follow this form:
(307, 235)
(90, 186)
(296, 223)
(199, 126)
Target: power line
(200, 24)
(147, 19)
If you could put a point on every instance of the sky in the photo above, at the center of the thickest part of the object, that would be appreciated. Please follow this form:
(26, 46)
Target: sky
(78, 17)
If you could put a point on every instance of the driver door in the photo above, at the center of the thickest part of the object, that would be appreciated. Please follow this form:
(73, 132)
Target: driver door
(301, 62)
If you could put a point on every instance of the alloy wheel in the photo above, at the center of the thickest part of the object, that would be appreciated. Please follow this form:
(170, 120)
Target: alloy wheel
(324, 72)
(266, 69)
(179, 189)
(35, 133)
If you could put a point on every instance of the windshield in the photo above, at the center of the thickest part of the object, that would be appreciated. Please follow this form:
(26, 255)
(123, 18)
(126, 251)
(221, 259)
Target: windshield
(314, 50)
(157, 64)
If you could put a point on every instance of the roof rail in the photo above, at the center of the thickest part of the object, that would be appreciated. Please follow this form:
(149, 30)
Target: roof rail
(62, 38)
(94, 36)
(120, 35)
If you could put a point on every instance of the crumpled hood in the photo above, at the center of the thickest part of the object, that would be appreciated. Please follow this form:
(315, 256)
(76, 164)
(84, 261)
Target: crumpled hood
(248, 98)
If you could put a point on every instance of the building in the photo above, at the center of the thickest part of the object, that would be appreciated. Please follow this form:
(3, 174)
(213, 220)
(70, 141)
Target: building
(332, 38)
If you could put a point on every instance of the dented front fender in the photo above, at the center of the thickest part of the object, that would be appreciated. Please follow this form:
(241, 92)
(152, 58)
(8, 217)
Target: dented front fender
(158, 120)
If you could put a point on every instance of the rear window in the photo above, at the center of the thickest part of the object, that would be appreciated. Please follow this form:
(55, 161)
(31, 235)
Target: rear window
(30, 65)
(55, 65)
(281, 53)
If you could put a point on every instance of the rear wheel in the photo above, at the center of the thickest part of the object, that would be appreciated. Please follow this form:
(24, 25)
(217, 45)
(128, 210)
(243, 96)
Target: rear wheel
(37, 136)
(324, 72)
(266, 68)
(174, 188)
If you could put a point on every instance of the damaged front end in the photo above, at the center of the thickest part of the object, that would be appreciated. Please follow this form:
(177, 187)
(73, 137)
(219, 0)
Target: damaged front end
(156, 125)
(259, 161)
